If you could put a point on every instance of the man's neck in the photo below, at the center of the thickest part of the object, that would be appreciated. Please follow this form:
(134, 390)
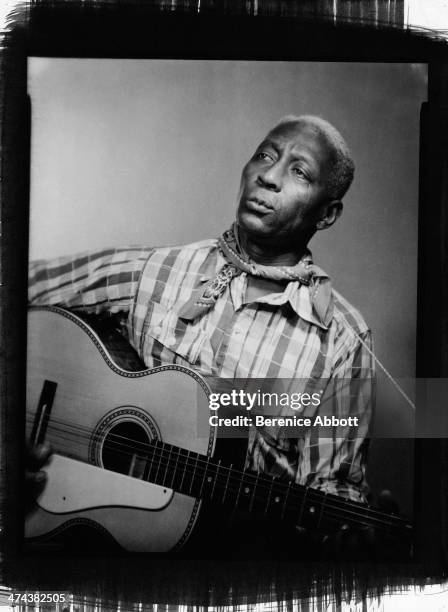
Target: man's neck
(265, 254)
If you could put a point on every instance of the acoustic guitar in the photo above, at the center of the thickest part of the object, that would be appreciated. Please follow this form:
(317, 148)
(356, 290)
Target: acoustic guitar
(129, 456)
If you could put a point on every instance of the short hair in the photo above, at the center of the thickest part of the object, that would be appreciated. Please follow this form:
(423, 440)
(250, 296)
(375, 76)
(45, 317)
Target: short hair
(343, 170)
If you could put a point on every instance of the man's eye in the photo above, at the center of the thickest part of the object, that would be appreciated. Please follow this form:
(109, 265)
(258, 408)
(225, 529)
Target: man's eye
(262, 155)
(300, 173)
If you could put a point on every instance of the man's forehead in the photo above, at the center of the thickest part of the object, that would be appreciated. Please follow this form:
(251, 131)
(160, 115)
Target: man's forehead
(301, 137)
(295, 131)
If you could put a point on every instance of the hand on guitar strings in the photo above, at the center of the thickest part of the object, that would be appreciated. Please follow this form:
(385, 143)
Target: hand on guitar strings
(366, 543)
(36, 457)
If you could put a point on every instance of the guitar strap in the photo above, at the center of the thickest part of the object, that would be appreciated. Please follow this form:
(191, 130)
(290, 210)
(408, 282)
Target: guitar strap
(383, 368)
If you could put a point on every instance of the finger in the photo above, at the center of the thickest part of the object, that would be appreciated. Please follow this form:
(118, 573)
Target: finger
(37, 456)
(355, 544)
(35, 478)
(387, 502)
(370, 543)
(34, 485)
(340, 540)
(369, 537)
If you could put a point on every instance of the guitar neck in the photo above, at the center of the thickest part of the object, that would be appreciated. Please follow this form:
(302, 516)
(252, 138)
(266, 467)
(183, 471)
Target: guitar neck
(198, 476)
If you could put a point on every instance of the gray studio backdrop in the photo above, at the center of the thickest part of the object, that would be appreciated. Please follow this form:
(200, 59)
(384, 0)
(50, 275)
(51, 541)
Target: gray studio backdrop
(150, 152)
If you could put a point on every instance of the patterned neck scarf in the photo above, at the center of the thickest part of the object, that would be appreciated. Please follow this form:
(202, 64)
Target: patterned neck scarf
(238, 262)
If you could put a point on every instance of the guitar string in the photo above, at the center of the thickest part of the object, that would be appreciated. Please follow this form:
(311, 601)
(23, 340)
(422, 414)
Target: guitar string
(88, 430)
(96, 437)
(132, 447)
(338, 514)
(309, 490)
(245, 473)
(328, 513)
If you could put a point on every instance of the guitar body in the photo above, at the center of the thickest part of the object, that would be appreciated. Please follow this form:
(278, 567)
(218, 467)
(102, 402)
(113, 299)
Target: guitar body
(78, 401)
(135, 458)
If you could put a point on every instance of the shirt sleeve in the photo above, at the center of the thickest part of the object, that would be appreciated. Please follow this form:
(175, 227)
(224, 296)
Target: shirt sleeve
(95, 282)
(342, 459)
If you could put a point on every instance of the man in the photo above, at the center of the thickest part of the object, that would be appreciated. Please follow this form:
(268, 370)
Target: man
(249, 305)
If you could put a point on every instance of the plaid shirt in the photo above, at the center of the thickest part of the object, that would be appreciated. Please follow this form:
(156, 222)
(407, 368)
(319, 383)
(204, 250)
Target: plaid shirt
(275, 336)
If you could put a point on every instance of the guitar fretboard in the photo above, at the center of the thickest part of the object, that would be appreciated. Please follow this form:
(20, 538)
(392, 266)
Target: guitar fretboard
(199, 476)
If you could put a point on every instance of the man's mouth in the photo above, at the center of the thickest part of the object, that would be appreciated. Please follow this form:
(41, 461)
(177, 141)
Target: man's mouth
(259, 205)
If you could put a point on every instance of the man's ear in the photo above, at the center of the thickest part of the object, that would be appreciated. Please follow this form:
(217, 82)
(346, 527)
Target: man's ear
(330, 213)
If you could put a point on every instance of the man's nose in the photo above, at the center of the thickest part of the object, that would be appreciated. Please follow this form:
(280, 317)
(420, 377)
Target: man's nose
(270, 178)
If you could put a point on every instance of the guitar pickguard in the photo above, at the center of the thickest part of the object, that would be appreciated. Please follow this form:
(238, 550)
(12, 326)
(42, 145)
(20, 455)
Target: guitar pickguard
(75, 486)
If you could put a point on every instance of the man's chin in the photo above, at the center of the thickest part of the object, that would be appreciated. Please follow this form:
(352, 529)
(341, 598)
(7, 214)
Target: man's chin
(253, 224)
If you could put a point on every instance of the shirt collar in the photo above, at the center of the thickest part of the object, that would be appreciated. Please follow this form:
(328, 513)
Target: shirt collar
(302, 298)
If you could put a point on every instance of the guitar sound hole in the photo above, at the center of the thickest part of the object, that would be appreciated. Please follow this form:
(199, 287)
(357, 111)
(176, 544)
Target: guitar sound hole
(122, 449)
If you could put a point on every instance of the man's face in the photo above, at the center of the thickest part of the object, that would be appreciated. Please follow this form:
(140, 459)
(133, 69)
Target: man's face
(283, 189)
